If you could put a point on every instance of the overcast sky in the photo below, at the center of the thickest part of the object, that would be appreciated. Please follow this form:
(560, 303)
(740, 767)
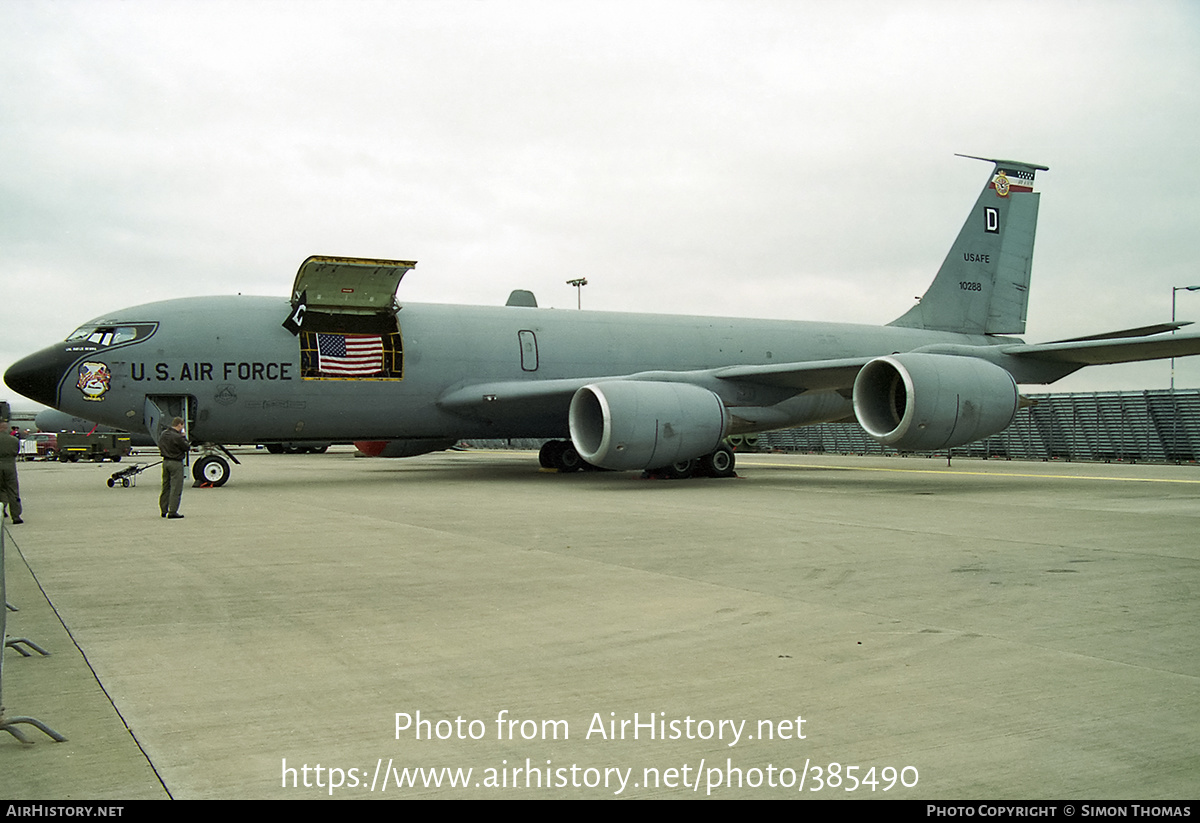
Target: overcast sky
(760, 159)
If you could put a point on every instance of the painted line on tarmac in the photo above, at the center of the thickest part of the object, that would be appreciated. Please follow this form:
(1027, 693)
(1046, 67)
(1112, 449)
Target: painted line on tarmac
(743, 462)
(968, 473)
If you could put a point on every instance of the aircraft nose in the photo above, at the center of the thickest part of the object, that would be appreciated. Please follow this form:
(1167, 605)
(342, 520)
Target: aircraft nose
(38, 375)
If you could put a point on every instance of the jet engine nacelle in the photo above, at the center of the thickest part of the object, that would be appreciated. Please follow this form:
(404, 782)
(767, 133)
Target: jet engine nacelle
(921, 402)
(628, 424)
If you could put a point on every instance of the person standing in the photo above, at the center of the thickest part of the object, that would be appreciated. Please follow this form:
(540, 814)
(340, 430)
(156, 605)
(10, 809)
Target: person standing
(10, 492)
(173, 447)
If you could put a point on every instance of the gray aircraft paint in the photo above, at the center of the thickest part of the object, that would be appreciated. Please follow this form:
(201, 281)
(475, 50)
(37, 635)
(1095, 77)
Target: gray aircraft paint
(244, 371)
(512, 371)
(998, 243)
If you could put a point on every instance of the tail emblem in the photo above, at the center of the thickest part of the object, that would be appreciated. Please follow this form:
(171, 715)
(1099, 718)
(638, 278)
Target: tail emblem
(1001, 183)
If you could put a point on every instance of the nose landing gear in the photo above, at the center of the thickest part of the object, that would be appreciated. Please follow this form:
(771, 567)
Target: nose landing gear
(212, 470)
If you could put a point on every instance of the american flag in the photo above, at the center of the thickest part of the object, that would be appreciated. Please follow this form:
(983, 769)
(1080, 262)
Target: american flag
(350, 355)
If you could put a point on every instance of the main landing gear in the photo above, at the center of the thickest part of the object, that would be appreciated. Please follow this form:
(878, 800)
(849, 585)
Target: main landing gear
(717, 464)
(561, 455)
(288, 448)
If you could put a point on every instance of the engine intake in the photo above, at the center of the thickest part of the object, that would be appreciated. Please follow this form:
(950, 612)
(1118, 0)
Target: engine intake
(629, 424)
(922, 402)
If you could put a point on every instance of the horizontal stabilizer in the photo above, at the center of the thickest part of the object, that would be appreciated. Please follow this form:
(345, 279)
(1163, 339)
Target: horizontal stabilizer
(1008, 164)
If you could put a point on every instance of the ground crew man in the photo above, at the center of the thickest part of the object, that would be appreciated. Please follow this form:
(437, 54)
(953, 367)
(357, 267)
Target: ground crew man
(10, 492)
(173, 447)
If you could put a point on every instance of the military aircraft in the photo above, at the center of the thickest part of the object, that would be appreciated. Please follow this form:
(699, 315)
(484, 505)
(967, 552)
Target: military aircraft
(612, 390)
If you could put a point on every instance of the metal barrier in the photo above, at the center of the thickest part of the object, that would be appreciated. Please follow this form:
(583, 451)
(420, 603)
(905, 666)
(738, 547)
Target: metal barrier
(9, 724)
(1156, 426)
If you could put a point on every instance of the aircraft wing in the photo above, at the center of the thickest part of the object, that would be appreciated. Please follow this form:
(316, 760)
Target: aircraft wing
(1115, 347)
(820, 375)
(514, 392)
(1096, 352)
(813, 375)
(799, 377)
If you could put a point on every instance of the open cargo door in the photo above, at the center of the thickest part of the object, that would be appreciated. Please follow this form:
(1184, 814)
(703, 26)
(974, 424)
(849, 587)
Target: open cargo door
(344, 312)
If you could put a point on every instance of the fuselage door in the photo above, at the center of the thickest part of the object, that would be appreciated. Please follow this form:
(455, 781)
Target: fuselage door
(350, 285)
(160, 409)
(344, 314)
(529, 352)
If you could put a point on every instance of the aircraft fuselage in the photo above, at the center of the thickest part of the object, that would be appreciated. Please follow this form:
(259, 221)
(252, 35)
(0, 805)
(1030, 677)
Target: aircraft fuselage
(337, 362)
(243, 374)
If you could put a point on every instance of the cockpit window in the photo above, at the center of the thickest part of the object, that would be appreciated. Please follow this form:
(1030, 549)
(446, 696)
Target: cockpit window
(105, 336)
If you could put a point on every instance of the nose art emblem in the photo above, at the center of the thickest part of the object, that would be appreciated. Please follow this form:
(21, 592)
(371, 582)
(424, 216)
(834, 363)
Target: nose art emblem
(94, 378)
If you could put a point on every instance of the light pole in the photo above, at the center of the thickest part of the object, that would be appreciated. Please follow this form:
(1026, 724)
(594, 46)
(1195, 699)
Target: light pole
(579, 283)
(1173, 290)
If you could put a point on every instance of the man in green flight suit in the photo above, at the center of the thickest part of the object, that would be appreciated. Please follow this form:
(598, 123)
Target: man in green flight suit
(173, 447)
(10, 492)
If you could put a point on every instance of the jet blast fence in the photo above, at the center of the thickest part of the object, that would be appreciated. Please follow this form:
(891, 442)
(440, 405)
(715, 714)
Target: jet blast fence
(1156, 426)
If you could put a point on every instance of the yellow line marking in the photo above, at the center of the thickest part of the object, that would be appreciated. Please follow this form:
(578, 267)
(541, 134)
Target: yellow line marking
(742, 461)
(957, 471)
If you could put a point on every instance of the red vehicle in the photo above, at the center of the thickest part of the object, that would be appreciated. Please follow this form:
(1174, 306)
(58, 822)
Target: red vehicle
(47, 444)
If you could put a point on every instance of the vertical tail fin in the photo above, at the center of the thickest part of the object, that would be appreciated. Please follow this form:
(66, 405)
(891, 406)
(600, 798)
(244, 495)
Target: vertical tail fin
(983, 284)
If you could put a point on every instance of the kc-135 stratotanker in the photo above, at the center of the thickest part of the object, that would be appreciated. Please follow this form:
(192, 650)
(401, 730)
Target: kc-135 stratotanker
(343, 362)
